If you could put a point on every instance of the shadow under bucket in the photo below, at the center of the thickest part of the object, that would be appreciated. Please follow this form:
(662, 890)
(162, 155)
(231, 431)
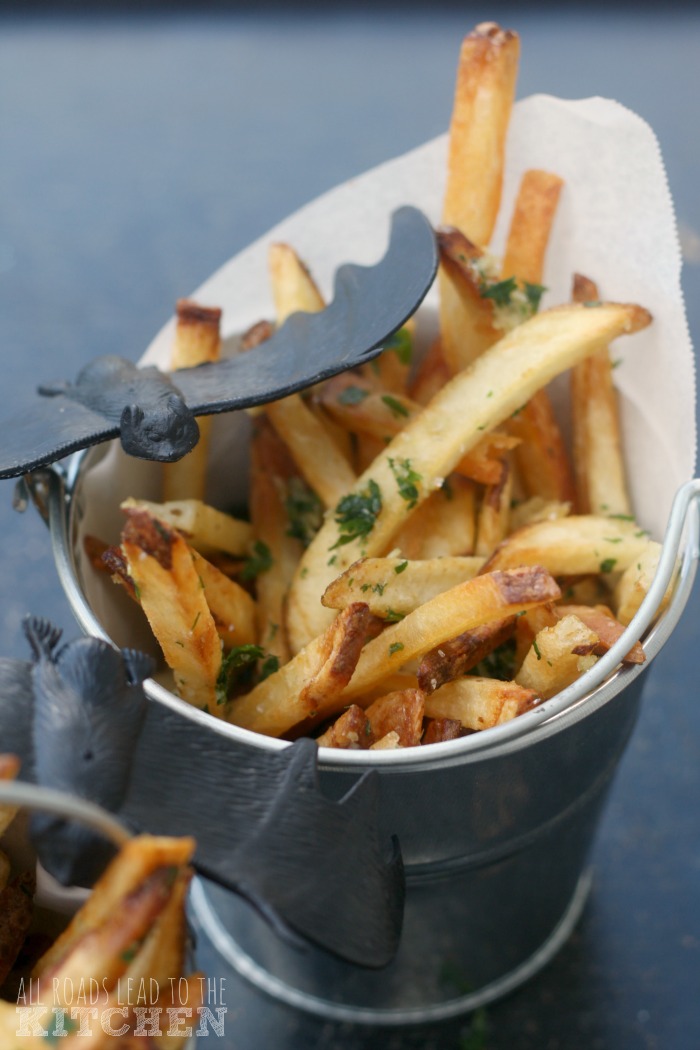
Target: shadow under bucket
(495, 831)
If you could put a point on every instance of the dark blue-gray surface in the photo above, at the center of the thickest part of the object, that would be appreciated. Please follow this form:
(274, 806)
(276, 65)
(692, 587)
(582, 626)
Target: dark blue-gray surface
(138, 153)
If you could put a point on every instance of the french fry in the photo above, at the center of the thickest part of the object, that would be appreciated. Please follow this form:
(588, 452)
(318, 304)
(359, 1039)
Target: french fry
(138, 860)
(399, 712)
(479, 601)
(393, 587)
(602, 622)
(601, 485)
(351, 730)
(438, 730)
(468, 322)
(633, 585)
(233, 610)
(479, 703)
(197, 340)
(494, 513)
(318, 458)
(576, 545)
(309, 685)
(536, 509)
(430, 446)
(444, 525)
(5, 869)
(454, 657)
(204, 527)
(390, 742)
(171, 595)
(392, 368)
(558, 656)
(531, 225)
(542, 458)
(271, 468)
(483, 100)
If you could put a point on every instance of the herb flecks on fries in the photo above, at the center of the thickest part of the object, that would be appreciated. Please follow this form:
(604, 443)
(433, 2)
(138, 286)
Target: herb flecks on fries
(424, 557)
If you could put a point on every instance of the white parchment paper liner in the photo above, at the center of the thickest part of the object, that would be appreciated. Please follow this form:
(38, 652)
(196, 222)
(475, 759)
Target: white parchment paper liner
(615, 224)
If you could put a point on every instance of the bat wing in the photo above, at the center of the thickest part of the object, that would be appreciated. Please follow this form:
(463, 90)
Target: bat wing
(309, 864)
(369, 304)
(43, 429)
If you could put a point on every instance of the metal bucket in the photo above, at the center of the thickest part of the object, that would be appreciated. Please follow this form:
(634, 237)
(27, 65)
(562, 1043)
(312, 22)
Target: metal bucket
(495, 831)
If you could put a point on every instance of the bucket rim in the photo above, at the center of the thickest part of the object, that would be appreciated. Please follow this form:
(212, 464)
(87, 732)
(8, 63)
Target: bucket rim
(54, 488)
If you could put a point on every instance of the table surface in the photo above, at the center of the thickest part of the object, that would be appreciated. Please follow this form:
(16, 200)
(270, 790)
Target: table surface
(140, 151)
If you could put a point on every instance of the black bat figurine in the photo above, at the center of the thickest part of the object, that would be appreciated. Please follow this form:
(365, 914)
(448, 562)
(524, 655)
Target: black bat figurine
(315, 868)
(154, 412)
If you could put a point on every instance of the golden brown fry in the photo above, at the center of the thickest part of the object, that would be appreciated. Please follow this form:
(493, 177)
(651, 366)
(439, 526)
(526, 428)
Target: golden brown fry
(293, 287)
(479, 703)
(399, 712)
(204, 527)
(543, 462)
(467, 317)
(455, 656)
(535, 509)
(633, 585)
(391, 370)
(485, 461)
(311, 683)
(531, 225)
(601, 485)
(494, 513)
(558, 656)
(444, 526)
(170, 591)
(351, 730)
(432, 444)
(318, 458)
(232, 608)
(483, 99)
(394, 587)
(271, 468)
(600, 620)
(135, 863)
(440, 729)
(576, 545)
(484, 94)
(197, 340)
(364, 409)
(472, 604)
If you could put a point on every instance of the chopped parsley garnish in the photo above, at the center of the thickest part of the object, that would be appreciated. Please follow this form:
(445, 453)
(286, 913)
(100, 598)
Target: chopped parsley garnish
(391, 616)
(536, 647)
(402, 345)
(407, 480)
(356, 514)
(622, 517)
(352, 395)
(500, 291)
(592, 303)
(304, 511)
(238, 669)
(260, 561)
(395, 647)
(396, 407)
(613, 539)
(516, 302)
(400, 567)
(499, 663)
(269, 665)
(608, 565)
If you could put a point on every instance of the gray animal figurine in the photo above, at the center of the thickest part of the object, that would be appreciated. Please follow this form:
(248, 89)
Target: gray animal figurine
(78, 719)
(154, 412)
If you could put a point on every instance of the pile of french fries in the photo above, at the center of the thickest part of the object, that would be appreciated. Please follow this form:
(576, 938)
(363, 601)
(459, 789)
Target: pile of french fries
(424, 557)
(128, 939)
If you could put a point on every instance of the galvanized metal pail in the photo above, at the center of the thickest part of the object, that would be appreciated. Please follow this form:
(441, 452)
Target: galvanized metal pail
(495, 828)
